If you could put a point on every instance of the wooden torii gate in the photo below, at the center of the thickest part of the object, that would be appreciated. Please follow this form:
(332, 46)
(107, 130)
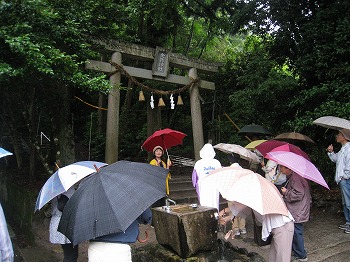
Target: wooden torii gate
(162, 61)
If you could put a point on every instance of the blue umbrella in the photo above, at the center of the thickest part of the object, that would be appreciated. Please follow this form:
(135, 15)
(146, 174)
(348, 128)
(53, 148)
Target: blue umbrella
(4, 153)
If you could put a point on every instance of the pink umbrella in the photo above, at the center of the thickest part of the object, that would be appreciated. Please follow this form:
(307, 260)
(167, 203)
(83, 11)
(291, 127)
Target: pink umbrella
(299, 165)
(291, 148)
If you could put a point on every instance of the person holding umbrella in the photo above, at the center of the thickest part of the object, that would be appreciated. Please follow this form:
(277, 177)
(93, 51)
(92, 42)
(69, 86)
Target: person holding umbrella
(342, 173)
(115, 246)
(278, 225)
(70, 252)
(158, 153)
(296, 195)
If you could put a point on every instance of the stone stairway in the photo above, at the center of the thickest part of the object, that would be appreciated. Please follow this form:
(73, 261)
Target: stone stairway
(181, 188)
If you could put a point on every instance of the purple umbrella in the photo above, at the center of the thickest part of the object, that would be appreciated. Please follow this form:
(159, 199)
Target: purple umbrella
(299, 165)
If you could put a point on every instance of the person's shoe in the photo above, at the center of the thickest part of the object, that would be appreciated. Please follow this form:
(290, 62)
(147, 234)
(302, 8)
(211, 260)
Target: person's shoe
(343, 227)
(237, 233)
(303, 259)
(243, 231)
(347, 230)
(295, 259)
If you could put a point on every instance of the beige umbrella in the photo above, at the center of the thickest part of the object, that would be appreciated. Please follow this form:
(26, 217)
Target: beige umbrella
(247, 188)
(241, 151)
(294, 136)
(253, 144)
(332, 122)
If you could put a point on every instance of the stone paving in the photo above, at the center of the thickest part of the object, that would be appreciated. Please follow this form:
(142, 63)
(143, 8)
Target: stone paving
(323, 240)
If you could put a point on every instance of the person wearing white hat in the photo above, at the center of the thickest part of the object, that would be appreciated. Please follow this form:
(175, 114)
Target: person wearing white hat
(342, 172)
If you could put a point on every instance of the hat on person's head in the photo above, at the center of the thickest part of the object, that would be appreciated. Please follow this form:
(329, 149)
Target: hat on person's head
(207, 152)
(346, 133)
(157, 147)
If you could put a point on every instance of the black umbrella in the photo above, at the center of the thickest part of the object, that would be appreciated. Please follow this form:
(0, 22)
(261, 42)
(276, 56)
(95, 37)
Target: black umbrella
(254, 129)
(109, 201)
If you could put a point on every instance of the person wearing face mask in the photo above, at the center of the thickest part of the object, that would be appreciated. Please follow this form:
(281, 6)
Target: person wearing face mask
(342, 173)
(297, 197)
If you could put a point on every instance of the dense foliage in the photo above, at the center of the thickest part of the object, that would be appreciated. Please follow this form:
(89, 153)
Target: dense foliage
(284, 65)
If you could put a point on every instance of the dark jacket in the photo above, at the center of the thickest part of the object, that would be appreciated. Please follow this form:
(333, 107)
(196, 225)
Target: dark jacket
(131, 233)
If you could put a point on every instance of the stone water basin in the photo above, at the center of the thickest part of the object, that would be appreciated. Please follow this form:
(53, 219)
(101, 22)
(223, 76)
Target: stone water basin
(186, 229)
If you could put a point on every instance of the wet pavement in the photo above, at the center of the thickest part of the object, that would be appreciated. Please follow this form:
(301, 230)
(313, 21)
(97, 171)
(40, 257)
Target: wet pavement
(323, 241)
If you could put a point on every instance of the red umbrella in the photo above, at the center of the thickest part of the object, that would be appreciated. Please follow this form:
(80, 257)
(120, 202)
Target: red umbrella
(267, 146)
(165, 138)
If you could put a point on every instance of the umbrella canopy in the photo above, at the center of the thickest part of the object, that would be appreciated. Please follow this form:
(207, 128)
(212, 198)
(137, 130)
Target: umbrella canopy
(267, 146)
(332, 122)
(294, 136)
(63, 179)
(241, 151)
(253, 144)
(110, 200)
(299, 165)
(248, 188)
(4, 153)
(254, 129)
(291, 148)
(165, 138)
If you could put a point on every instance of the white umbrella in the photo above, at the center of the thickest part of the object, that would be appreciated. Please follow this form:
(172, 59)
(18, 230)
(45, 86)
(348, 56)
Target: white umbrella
(237, 149)
(332, 122)
(64, 178)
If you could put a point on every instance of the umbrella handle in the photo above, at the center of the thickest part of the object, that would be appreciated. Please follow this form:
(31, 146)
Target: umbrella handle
(97, 169)
(145, 239)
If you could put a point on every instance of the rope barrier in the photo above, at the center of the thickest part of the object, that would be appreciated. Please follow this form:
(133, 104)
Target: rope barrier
(100, 108)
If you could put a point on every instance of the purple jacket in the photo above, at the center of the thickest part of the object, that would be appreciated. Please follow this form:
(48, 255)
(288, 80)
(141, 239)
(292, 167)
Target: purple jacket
(298, 198)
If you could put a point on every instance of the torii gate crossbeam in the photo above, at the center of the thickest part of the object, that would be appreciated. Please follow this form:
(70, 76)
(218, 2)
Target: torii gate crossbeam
(193, 66)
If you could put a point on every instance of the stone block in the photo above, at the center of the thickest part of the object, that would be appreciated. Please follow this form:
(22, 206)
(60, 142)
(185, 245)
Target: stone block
(186, 230)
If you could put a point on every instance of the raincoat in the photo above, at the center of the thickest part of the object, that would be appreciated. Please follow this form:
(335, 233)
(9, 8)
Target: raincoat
(207, 193)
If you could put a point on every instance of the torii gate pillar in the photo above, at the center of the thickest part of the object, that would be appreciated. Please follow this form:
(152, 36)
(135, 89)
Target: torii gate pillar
(134, 51)
(196, 115)
(112, 128)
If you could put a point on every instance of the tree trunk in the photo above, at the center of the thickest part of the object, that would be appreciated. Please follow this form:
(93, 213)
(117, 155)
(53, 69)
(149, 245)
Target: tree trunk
(10, 122)
(65, 131)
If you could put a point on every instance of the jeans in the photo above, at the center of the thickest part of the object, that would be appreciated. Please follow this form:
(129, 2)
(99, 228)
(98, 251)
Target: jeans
(70, 252)
(345, 195)
(298, 241)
